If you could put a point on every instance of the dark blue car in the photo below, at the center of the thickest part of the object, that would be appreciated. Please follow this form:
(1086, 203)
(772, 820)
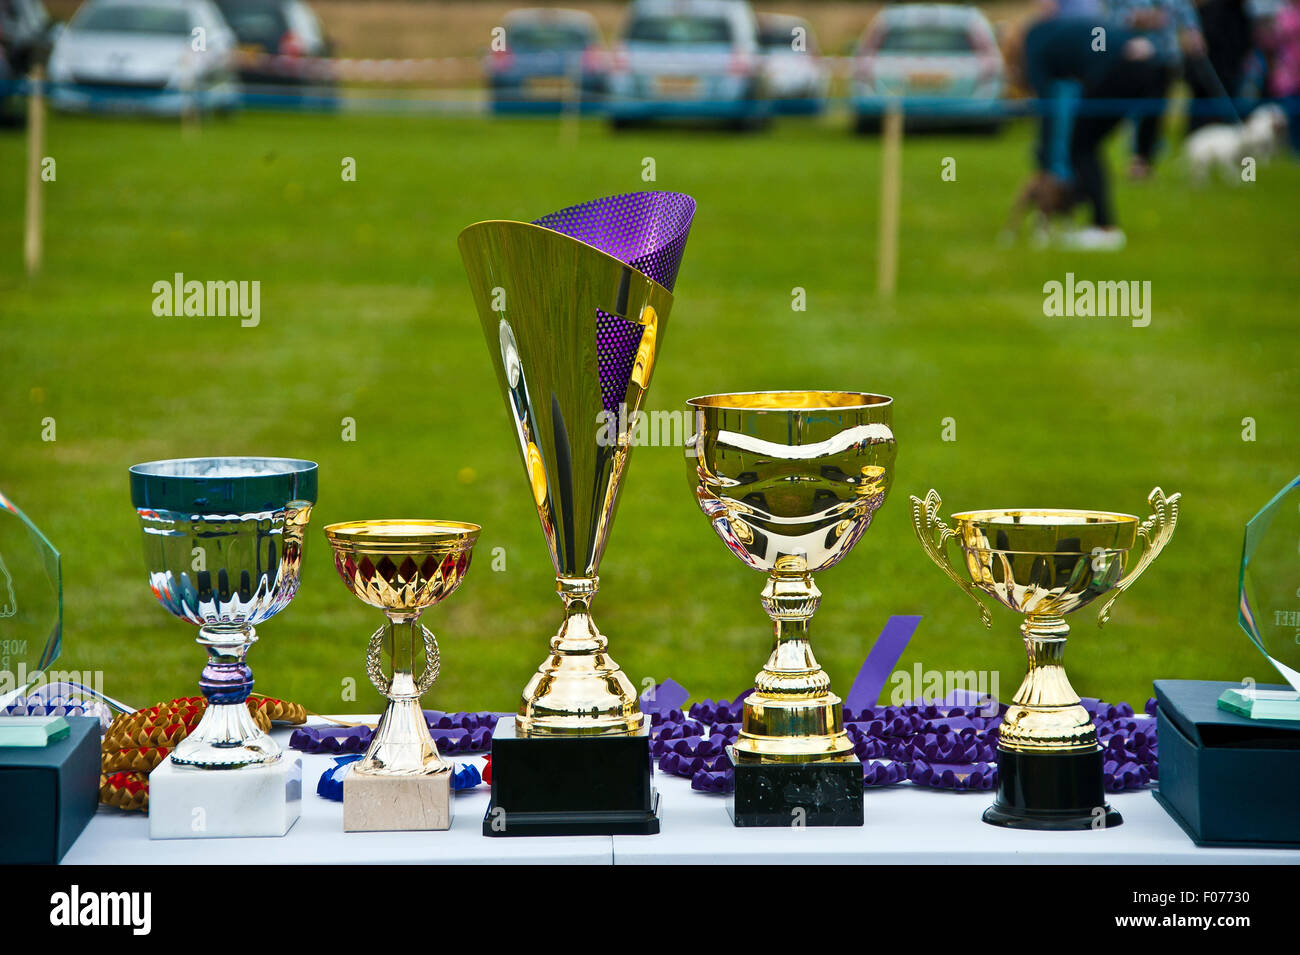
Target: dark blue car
(547, 61)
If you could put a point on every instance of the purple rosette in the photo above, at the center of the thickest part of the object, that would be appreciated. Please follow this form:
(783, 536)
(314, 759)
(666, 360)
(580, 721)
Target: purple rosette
(979, 777)
(331, 739)
(676, 729)
(877, 775)
(868, 747)
(452, 733)
(723, 711)
(666, 717)
(940, 744)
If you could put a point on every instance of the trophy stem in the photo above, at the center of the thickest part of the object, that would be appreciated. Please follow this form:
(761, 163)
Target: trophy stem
(791, 668)
(402, 745)
(1045, 714)
(792, 716)
(579, 690)
(226, 737)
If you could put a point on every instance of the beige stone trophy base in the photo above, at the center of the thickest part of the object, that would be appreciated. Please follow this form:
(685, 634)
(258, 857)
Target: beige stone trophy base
(397, 803)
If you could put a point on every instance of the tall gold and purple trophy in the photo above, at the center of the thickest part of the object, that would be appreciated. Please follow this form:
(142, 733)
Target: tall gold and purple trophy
(573, 308)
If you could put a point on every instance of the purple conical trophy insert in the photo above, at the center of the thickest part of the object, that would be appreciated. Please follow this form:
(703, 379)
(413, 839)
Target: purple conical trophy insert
(646, 230)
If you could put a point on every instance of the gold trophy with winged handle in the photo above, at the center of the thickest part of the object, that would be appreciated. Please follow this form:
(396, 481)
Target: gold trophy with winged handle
(1046, 563)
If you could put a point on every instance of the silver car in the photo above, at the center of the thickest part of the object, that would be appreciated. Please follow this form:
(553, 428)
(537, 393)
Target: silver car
(688, 59)
(155, 56)
(940, 61)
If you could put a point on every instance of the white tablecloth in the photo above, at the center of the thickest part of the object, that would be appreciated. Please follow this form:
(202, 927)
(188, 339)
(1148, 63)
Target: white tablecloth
(904, 824)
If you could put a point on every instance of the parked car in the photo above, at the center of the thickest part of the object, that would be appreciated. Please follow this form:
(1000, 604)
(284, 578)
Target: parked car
(941, 61)
(689, 59)
(796, 77)
(552, 58)
(154, 56)
(281, 42)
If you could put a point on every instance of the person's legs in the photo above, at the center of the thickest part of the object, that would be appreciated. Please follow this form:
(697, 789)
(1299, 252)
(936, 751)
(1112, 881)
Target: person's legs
(1090, 179)
(1151, 121)
(1219, 72)
(1097, 118)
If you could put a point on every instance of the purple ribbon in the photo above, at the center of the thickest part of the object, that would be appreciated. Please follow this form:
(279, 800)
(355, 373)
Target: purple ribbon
(880, 662)
(451, 732)
(948, 744)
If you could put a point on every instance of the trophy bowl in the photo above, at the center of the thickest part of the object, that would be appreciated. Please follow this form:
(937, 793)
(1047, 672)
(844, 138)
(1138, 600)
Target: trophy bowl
(1046, 563)
(223, 546)
(402, 567)
(790, 481)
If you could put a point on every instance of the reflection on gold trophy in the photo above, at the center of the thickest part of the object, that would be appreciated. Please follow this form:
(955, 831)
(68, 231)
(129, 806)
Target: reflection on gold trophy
(1046, 563)
(790, 481)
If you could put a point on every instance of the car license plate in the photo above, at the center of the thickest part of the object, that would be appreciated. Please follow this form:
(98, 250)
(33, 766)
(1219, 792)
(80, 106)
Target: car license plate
(556, 87)
(927, 81)
(677, 86)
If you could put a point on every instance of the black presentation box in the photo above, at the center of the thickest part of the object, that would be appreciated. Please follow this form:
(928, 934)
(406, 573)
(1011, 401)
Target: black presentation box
(48, 794)
(1226, 779)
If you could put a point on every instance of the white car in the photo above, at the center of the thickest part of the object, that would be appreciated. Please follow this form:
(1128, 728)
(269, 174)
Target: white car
(941, 61)
(797, 77)
(154, 56)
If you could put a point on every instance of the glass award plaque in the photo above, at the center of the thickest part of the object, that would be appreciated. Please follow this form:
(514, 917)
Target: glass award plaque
(1268, 607)
(31, 601)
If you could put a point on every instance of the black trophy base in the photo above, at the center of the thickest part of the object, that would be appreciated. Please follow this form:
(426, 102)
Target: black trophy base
(797, 794)
(571, 786)
(1051, 791)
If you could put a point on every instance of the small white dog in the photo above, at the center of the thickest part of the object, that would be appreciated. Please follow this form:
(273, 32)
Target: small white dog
(1224, 147)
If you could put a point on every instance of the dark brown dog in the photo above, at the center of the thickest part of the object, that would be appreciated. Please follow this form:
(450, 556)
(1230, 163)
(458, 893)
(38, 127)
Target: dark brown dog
(1046, 196)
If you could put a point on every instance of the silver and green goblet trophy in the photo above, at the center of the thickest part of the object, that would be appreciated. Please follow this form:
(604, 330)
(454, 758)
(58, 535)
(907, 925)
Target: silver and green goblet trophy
(790, 481)
(1046, 563)
(223, 544)
(1268, 607)
(401, 567)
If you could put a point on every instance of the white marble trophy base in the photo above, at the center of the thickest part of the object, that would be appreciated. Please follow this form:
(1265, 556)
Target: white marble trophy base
(396, 803)
(186, 802)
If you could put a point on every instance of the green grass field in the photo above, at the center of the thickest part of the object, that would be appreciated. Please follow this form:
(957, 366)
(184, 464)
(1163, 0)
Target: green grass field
(365, 313)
